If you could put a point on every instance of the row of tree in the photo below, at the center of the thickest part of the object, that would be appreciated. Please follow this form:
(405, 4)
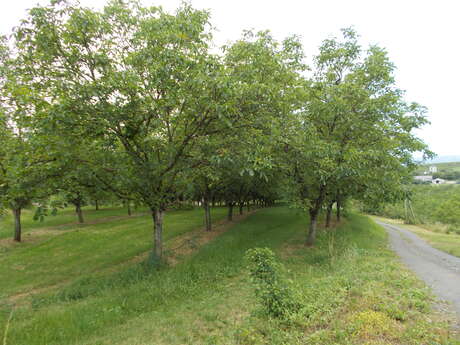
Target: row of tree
(134, 103)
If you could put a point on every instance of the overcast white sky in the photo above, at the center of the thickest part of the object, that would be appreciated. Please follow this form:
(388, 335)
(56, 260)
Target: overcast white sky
(421, 36)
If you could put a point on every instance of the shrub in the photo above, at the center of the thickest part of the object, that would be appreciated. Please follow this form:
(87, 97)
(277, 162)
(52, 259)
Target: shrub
(448, 211)
(274, 293)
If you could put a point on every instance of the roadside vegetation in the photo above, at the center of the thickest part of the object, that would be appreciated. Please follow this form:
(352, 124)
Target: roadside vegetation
(351, 289)
(434, 207)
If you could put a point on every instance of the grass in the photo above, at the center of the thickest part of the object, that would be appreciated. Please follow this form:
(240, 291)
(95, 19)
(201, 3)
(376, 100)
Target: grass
(353, 289)
(61, 256)
(65, 219)
(447, 242)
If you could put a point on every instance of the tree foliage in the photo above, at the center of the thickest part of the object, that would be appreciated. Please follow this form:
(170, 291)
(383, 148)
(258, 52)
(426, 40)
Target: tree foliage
(133, 102)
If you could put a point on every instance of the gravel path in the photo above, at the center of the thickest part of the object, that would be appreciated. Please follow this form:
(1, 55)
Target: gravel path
(438, 269)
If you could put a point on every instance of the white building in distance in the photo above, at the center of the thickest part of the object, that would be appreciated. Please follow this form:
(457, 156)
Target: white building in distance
(424, 178)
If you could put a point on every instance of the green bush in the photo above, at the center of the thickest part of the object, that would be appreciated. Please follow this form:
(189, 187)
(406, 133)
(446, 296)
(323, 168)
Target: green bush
(448, 211)
(276, 297)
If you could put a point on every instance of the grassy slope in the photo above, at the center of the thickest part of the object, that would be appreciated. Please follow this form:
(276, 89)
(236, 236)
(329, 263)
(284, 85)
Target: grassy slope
(353, 287)
(450, 243)
(61, 256)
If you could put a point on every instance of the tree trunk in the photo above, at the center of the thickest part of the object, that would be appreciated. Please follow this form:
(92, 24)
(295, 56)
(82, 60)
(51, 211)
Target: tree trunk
(338, 204)
(312, 228)
(17, 224)
(328, 214)
(128, 204)
(339, 207)
(314, 212)
(241, 207)
(96, 204)
(248, 206)
(157, 215)
(230, 211)
(207, 214)
(79, 213)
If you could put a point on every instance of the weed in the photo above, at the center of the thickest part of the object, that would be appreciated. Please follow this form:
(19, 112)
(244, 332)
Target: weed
(272, 290)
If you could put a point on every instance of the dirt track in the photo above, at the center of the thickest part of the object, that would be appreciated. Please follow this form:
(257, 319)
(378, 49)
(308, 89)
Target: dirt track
(438, 269)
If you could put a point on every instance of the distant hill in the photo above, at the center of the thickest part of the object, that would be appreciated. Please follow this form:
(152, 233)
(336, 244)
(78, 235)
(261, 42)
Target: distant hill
(448, 171)
(443, 159)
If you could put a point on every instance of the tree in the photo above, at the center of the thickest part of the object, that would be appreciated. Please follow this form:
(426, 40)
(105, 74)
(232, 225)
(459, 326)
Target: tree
(138, 80)
(354, 134)
(264, 74)
(25, 164)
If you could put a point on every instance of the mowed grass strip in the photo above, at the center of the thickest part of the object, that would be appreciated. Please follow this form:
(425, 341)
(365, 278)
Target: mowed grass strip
(353, 288)
(65, 219)
(82, 251)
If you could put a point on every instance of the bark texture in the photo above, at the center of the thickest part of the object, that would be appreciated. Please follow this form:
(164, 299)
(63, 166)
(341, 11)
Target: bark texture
(79, 212)
(230, 211)
(329, 215)
(311, 238)
(207, 214)
(339, 207)
(157, 215)
(17, 224)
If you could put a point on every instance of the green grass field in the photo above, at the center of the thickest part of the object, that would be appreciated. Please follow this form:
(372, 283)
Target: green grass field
(61, 256)
(65, 219)
(353, 288)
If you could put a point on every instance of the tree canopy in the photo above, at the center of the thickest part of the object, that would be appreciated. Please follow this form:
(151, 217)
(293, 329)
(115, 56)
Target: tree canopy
(135, 102)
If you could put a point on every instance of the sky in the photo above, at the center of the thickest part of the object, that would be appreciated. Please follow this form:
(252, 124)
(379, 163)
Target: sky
(421, 37)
